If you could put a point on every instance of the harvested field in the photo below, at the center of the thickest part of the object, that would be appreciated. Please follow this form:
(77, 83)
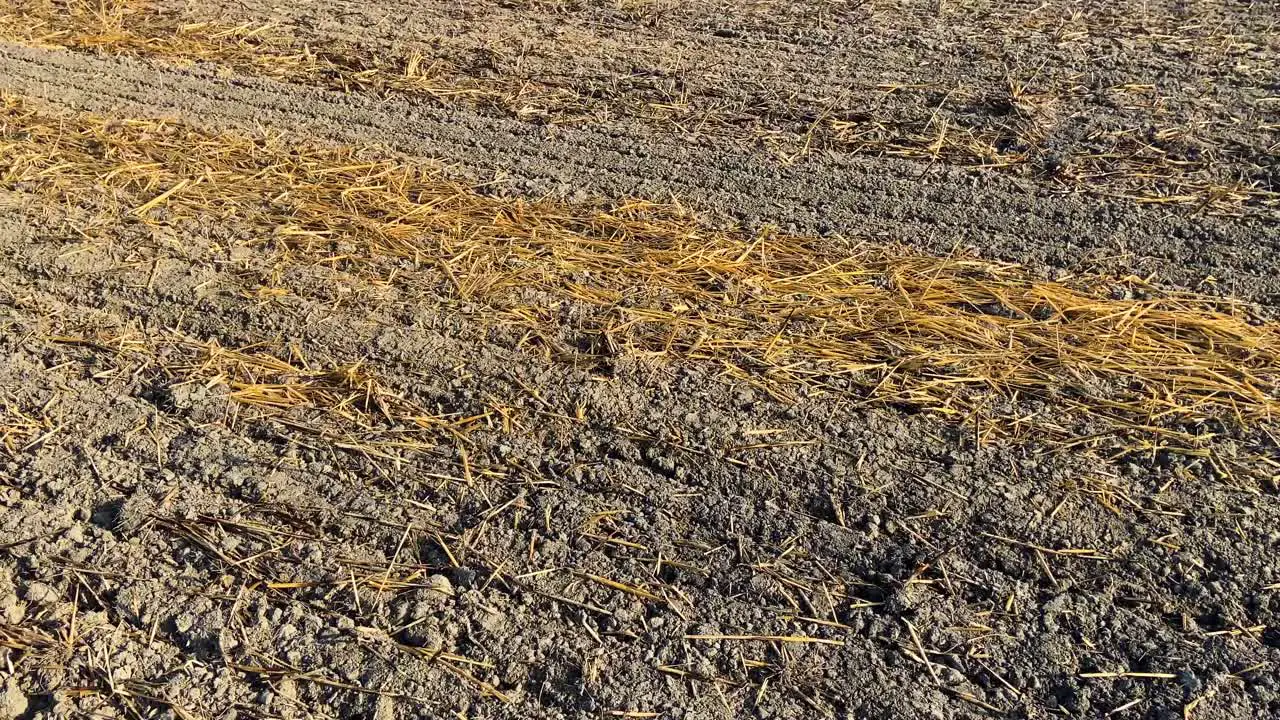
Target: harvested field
(639, 360)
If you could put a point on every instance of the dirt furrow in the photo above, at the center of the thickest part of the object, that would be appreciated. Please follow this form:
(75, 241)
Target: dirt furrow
(1061, 127)
(315, 576)
(934, 209)
(881, 324)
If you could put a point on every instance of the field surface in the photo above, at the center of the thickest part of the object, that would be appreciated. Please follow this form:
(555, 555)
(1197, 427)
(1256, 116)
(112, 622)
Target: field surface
(581, 359)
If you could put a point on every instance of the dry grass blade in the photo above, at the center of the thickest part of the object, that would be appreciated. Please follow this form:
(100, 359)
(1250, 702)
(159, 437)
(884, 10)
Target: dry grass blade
(1130, 167)
(633, 590)
(24, 644)
(796, 639)
(962, 337)
(17, 637)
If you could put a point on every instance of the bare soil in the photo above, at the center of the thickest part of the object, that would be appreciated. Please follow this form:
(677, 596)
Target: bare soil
(644, 535)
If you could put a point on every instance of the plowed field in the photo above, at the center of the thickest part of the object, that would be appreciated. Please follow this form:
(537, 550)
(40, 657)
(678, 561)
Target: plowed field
(639, 359)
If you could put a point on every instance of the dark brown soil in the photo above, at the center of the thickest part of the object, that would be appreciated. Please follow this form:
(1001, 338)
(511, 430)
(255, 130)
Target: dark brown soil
(165, 553)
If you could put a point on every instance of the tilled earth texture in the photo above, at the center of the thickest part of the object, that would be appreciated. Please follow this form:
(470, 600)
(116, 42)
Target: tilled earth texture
(681, 359)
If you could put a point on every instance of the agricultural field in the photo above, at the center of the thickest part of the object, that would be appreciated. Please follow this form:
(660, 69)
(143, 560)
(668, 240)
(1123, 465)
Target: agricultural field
(679, 359)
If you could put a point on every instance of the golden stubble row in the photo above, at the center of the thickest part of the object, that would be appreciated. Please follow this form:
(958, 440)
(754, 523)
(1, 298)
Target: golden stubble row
(1131, 165)
(967, 338)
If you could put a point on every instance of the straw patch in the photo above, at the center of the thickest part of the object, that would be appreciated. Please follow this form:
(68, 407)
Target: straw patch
(19, 430)
(346, 407)
(1129, 163)
(962, 337)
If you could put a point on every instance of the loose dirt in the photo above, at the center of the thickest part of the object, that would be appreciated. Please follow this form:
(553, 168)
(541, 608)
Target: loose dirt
(648, 360)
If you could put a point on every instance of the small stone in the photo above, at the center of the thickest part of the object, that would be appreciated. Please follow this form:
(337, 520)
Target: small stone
(14, 702)
(440, 584)
(40, 593)
(464, 576)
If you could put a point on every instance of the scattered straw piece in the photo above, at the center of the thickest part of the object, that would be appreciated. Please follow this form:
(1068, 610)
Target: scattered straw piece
(798, 639)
